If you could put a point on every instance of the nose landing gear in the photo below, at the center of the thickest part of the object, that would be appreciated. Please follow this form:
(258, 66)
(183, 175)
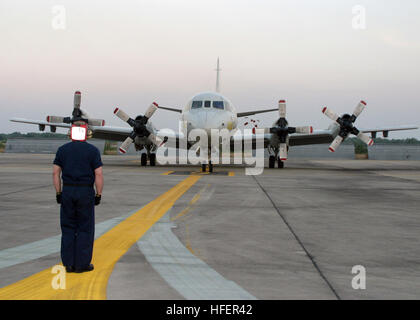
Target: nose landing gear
(272, 162)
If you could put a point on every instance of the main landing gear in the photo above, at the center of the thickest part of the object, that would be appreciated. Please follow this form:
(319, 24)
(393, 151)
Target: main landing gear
(272, 162)
(152, 159)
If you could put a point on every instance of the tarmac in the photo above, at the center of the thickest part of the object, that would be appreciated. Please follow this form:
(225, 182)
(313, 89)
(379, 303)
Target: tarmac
(173, 233)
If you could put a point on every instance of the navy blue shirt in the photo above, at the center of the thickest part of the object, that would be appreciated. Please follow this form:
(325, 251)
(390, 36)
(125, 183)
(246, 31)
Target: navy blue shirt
(78, 161)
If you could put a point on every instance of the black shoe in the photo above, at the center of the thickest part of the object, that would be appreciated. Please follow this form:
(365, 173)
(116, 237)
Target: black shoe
(69, 269)
(85, 269)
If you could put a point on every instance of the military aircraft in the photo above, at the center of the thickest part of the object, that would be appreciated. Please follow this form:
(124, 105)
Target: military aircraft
(212, 110)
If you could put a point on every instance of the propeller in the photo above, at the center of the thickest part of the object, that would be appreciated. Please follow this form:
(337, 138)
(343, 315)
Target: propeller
(77, 114)
(282, 130)
(139, 127)
(346, 123)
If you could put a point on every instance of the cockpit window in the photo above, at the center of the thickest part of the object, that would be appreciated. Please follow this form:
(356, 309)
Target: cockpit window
(207, 104)
(196, 104)
(218, 105)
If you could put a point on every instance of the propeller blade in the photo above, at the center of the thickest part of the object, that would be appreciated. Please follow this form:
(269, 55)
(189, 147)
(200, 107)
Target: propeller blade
(283, 151)
(282, 108)
(96, 122)
(84, 114)
(360, 107)
(126, 144)
(330, 114)
(365, 138)
(151, 110)
(336, 143)
(306, 130)
(156, 140)
(55, 119)
(121, 114)
(77, 99)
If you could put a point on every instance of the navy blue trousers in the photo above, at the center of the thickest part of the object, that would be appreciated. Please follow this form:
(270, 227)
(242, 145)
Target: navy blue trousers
(77, 219)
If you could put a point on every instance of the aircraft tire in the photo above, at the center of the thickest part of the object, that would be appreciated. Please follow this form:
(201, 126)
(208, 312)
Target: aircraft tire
(152, 159)
(271, 162)
(143, 159)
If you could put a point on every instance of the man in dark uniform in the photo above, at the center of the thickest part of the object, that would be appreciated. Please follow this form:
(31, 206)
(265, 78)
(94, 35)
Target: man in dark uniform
(80, 166)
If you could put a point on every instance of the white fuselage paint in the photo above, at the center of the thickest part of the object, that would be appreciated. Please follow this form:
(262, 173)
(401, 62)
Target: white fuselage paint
(208, 118)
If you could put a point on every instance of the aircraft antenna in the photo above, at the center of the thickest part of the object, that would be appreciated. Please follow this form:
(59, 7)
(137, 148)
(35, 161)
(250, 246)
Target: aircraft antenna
(218, 76)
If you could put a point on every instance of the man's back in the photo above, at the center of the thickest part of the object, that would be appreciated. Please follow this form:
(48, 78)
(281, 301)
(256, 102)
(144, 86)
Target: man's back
(78, 161)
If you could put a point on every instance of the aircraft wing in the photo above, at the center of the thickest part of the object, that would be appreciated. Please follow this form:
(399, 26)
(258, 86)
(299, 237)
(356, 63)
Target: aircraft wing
(328, 135)
(171, 109)
(120, 133)
(41, 123)
(317, 137)
(250, 113)
(101, 132)
(385, 131)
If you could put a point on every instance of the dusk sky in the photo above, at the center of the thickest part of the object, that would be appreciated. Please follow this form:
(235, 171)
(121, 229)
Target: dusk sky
(131, 53)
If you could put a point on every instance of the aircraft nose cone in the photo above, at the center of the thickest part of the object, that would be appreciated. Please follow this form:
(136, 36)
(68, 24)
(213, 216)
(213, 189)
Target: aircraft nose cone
(208, 120)
(199, 121)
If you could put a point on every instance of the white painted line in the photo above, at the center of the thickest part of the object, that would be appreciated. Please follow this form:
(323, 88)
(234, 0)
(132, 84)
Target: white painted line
(34, 250)
(182, 270)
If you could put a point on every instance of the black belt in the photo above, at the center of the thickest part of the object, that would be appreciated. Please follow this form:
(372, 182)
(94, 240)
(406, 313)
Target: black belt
(77, 185)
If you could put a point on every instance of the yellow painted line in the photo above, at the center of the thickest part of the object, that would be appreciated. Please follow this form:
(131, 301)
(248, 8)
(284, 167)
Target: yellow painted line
(167, 173)
(108, 249)
(182, 213)
(195, 198)
(190, 204)
(187, 240)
